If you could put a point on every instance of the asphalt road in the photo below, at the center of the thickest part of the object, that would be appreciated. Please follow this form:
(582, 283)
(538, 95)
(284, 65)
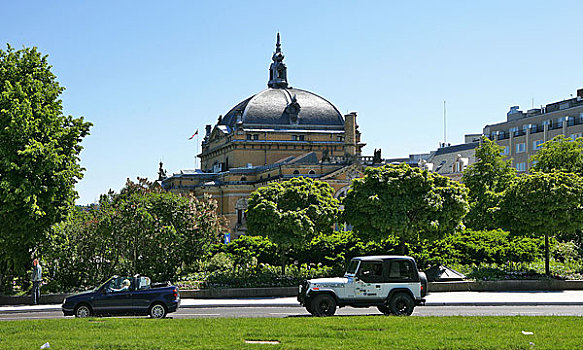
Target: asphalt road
(241, 312)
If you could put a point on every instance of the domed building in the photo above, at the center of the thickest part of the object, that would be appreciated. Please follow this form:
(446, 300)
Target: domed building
(276, 134)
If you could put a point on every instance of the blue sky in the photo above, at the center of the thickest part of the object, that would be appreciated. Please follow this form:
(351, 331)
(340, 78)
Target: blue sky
(149, 73)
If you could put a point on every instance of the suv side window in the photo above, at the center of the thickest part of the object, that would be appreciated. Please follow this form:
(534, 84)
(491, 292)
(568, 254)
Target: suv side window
(371, 271)
(401, 271)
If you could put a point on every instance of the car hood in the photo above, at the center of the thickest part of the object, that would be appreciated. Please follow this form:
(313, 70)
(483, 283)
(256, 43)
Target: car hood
(328, 282)
(81, 294)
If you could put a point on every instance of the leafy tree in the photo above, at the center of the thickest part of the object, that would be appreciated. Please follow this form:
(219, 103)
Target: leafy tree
(543, 204)
(291, 213)
(141, 230)
(486, 179)
(245, 248)
(560, 154)
(407, 202)
(39, 156)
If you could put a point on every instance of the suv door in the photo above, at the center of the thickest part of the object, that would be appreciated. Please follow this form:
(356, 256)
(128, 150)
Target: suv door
(370, 280)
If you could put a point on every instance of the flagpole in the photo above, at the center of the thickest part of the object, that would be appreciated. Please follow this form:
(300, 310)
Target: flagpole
(196, 154)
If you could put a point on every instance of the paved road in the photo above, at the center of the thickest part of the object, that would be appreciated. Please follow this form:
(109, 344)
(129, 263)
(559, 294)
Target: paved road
(294, 311)
(438, 304)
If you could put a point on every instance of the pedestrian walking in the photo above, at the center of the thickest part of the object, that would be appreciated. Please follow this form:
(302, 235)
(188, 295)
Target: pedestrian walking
(37, 277)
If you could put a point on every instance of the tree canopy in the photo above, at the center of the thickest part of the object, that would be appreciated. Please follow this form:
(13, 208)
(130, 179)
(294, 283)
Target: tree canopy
(407, 202)
(292, 212)
(39, 156)
(486, 179)
(543, 204)
(560, 154)
(143, 229)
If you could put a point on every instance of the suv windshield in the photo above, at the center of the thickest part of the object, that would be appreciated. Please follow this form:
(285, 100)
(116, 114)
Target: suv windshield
(351, 270)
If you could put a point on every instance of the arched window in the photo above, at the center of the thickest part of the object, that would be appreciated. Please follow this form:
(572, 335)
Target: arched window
(296, 172)
(243, 178)
(312, 172)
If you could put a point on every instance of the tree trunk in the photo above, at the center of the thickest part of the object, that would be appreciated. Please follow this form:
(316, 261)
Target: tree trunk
(283, 261)
(547, 264)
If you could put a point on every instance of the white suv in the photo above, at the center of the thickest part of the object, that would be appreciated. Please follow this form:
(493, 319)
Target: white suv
(391, 283)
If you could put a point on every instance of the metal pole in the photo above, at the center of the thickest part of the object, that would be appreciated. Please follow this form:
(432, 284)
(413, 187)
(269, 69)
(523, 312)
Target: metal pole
(444, 125)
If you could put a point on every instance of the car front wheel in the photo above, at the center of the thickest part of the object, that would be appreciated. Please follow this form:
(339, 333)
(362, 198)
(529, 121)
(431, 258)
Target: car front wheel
(82, 311)
(158, 311)
(323, 305)
(401, 304)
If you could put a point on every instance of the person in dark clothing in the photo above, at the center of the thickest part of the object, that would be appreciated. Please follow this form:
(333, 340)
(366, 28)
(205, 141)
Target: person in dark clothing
(37, 277)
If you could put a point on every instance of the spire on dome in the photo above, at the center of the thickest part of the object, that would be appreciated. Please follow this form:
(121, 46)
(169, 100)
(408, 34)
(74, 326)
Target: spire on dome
(277, 70)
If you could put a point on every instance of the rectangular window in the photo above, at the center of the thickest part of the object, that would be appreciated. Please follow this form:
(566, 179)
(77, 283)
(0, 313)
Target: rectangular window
(581, 118)
(302, 137)
(520, 147)
(505, 151)
(570, 121)
(560, 122)
(576, 135)
(249, 136)
(294, 137)
(513, 131)
(548, 122)
(536, 144)
(521, 166)
(256, 137)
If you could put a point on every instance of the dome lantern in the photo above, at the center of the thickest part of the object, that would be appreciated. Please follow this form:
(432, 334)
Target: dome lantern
(277, 69)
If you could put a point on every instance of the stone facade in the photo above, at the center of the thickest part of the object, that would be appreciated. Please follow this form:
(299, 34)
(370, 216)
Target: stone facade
(274, 135)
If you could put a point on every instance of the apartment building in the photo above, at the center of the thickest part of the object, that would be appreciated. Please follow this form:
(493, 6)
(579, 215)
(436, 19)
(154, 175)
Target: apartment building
(523, 133)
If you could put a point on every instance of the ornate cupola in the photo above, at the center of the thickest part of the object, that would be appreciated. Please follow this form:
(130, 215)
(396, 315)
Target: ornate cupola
(277, 70)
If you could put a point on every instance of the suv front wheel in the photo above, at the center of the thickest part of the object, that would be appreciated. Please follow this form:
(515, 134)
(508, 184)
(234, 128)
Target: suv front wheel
(401, 304)
(323, 305)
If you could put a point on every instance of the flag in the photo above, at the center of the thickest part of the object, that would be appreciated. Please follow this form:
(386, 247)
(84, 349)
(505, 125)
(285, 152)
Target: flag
(193, 135)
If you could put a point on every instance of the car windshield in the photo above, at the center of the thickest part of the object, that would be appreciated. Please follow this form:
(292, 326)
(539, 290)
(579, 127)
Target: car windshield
(352, 267)
(103, 284)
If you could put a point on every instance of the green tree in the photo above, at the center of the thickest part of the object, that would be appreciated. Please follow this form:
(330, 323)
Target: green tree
(560, 154)
(543, 204)
(486, 179)
(407, 202)
(142, 230)
(39, 156)
(291, 213)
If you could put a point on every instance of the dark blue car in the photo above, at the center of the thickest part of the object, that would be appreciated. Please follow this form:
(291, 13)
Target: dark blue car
(124, 296)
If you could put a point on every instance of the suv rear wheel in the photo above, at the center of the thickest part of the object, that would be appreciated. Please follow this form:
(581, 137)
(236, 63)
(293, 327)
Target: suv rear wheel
(323, 305)
(401, 304)
(384, 309)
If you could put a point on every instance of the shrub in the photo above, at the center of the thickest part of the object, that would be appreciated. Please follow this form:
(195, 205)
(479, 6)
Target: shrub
(478, 247)
(565, 251)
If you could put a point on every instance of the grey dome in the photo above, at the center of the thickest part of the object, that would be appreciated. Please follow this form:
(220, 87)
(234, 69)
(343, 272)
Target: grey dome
(284, 108)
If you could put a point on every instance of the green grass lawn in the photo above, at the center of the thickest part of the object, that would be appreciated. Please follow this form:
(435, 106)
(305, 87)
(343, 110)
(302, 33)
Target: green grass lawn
(360, 332)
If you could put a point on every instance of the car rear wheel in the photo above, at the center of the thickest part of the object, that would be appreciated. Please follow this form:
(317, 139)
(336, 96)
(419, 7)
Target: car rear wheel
(401, 304)
(82, 311)
(323, 305)
(158, 311)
